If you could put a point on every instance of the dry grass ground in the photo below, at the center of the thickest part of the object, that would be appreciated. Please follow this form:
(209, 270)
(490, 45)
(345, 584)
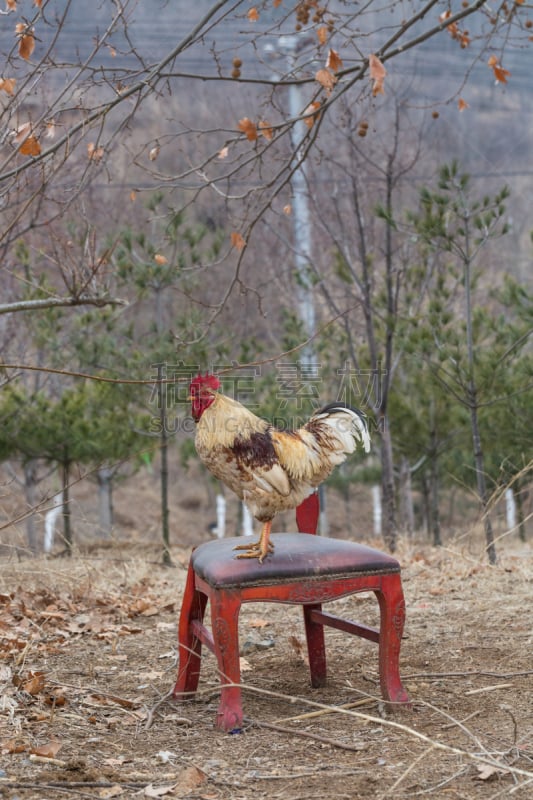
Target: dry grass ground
(87, 654)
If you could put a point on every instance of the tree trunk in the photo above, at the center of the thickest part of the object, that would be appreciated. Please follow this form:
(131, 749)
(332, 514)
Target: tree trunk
(50, 522)
(67, 521)
(30, 484)
(434, 512)
(426, 505)
(388, 501)
(104, 476)
(482, 483)
(406, 498)
(517, 493)
(164, 468)
(377, 511)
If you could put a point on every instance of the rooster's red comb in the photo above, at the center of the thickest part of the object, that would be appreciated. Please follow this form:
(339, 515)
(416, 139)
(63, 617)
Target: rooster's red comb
(206, 380)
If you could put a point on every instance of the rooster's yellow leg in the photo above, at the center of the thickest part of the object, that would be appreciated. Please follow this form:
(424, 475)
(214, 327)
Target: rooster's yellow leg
(259, 549)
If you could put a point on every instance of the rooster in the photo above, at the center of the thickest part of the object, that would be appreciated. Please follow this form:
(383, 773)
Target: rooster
(268, 469)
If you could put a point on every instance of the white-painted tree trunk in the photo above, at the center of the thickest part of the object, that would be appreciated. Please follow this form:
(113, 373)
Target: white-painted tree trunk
(376, 507)
(247, 522)
(510, 509)
(50, 519)
(104, 477)
(220, 530)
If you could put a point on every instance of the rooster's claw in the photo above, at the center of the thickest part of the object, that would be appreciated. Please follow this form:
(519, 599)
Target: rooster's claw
(255, 550)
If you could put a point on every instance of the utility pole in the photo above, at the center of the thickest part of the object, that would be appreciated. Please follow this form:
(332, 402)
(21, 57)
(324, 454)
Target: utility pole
(290, 47)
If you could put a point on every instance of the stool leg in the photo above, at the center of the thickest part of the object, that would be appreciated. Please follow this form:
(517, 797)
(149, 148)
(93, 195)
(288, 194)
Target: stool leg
(316, 647)
(392, 610)
(189, 646)
(224, 624)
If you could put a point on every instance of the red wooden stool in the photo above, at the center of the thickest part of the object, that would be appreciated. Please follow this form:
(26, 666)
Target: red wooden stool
(304, 569)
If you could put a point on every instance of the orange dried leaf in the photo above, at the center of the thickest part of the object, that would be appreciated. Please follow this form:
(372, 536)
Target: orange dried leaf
(253, 15)
(237, 241)
(501, 74)
(7, 85)
(159, 259)
(322, 34)
(133, 195)
(30, 147)
(190, 778)
(266, 130)
(287, 209)
(49, 750)
(34, 683)
(326, 79)
(245, 665)
(38, 3)
(259, 622)
(377, 70)
(310, 120)
(276, 3)
(334, 62)
(492, 61)
(111, 791)
(26, 45)
(11, 5)
(462, 105)
(248, 128)
(377, 73)
(10, 746)
(95, 153)
(222, 154)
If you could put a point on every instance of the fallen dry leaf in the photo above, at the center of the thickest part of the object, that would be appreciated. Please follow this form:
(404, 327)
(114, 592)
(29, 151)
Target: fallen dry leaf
(111, 791)
(158, 791)
(48, 750)
(34, 683)
(10, 746)
(109, 699)
(258, 622)
(487, 771)
(189, 779)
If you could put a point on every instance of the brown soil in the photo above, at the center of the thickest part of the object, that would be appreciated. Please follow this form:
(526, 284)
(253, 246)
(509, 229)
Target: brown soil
(88, 653)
